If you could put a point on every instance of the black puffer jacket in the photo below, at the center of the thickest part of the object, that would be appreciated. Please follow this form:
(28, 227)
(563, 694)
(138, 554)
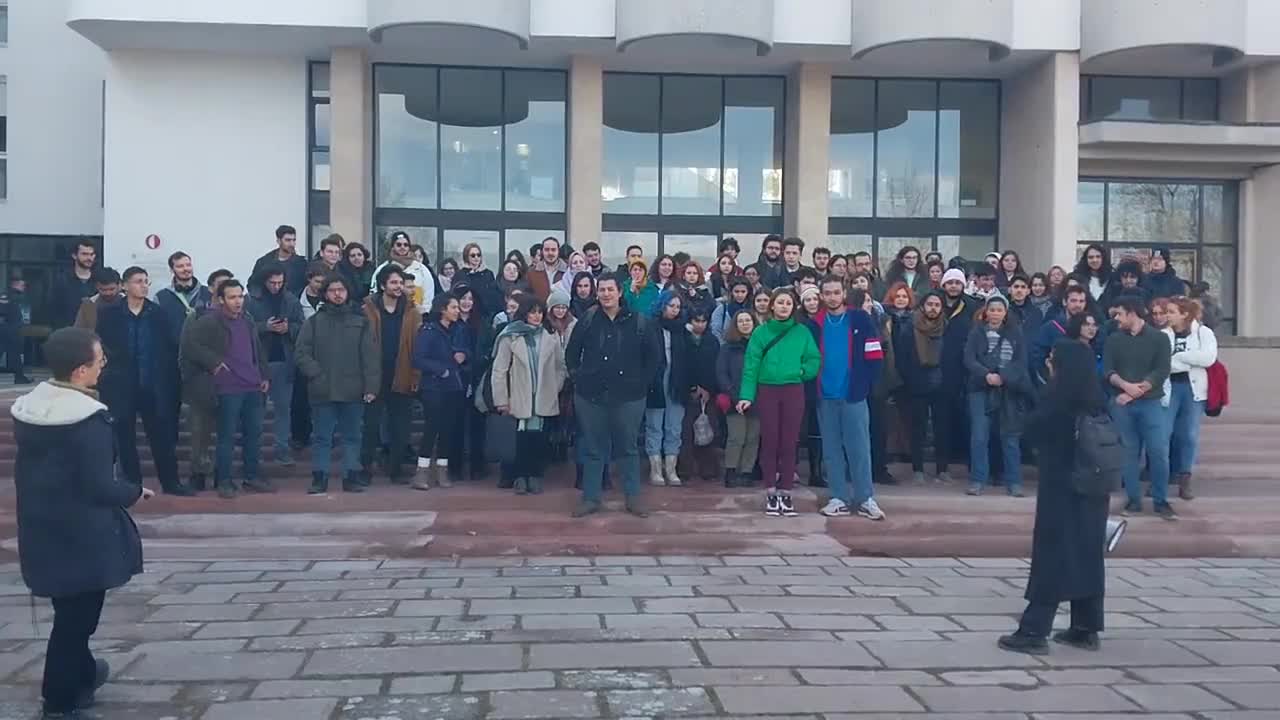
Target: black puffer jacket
(74, 534)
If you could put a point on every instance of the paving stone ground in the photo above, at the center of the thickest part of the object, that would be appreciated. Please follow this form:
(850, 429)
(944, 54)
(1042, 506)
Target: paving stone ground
(812, 637)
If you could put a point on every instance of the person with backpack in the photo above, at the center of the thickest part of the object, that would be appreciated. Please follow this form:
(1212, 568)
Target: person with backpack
(1195, 350)
(1069, 540)
(781, 357)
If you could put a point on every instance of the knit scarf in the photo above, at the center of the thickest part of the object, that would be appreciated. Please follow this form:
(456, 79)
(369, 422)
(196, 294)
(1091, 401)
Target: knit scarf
(530, 333)
(928, 334)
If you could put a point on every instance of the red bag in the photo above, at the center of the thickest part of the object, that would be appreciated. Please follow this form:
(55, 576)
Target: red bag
(723, 402)
(1219, 389)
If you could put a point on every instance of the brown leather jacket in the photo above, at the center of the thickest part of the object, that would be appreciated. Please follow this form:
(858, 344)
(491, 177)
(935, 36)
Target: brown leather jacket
(405, 380)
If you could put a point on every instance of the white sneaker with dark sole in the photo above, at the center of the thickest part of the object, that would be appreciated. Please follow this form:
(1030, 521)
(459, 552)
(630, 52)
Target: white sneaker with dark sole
(871, 510)
(772, 507)
(788, 508)
(835, 508)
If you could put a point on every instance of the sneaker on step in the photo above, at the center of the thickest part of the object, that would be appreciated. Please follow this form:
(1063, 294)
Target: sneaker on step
(918, 478)
(974, 489)
(787, 507)
(772, 507)
(835, 507)
(870, 509)
(1165, 511)
(944, 478)
(1133, 507)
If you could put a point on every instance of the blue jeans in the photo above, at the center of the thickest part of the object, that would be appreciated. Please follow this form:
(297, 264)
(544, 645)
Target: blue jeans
(345, 417)
(281, 393)
(979, 437)
(1185, 413)
(662, 428)
(1144, 425)
(608, 433)
(846, 448)
(242, 411)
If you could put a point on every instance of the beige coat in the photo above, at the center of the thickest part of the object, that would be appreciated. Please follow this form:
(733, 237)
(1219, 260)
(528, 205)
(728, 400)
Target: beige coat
(513, 379)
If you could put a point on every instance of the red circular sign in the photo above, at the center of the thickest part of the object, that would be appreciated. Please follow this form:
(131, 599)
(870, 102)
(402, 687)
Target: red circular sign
(153, 242)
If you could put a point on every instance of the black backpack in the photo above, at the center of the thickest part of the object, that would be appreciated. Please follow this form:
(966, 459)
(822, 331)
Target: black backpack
(1099, 456)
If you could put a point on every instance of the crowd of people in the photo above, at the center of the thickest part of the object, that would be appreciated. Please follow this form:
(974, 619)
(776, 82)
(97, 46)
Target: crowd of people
(724, 374)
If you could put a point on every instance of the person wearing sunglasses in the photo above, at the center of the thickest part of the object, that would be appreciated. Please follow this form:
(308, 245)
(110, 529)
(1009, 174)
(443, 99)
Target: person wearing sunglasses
(400, 252)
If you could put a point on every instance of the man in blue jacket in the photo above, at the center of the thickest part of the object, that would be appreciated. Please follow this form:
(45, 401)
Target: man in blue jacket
(851, 360)
(75, 538)
(1075, 302)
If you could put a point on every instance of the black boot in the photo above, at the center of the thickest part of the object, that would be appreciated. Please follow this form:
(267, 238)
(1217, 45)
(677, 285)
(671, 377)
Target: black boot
(179, 489)
(199, 482)
(534, 484)
(351, 482)
(365, 476)
(1019, 643)
(319, 483)
(731, 478)
(577, 482)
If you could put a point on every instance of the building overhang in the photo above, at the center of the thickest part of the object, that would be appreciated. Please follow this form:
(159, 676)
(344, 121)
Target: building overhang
(1188, 36)
(508, 17)
(1238, 146)
(878, 24)
(745, 20)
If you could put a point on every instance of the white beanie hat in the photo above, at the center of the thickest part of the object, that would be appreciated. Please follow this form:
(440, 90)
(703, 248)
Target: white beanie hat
(557, 297)
(953, 274)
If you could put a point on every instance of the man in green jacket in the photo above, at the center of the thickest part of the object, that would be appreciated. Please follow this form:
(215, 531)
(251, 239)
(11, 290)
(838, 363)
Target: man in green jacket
(338, 357)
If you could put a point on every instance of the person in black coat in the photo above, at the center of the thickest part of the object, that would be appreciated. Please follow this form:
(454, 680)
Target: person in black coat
(1068, 544)
(704, 354)
(958, 310)
(1161, 279)
(141, 379)
(75, 538)
(673, 381)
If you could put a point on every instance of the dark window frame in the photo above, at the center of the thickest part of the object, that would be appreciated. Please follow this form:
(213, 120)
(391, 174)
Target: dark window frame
(1199, 245)
(317, 209)
(1086, 97)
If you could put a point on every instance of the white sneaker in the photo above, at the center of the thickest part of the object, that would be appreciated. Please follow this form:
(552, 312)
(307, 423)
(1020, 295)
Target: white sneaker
(835, 508)
(871, 510)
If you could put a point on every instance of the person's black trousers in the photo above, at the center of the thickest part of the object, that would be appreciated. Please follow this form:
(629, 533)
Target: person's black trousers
(468, 441)
(398, 410)
(300, 412)
(69, 667)
(12, 338)
(159, 429)
(1086, 615)
(532, 452)
(925, 408)
(441, 420)
(878, 408)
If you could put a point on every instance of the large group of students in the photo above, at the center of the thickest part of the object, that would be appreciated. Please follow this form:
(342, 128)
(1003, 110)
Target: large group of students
(722, 374)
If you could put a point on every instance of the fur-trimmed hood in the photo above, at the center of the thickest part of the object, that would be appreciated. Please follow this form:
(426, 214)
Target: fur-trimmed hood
(55, 404)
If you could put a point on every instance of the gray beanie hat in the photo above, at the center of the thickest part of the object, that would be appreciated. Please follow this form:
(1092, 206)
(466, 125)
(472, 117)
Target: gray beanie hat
(557, 297)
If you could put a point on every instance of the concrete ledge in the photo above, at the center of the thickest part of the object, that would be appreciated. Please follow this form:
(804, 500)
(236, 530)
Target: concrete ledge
(750, 20)
(1112, 26)
(509, 17)
(880, 23)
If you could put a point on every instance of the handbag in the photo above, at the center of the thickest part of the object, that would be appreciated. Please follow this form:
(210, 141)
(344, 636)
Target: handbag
(703, 432)
(500, 437)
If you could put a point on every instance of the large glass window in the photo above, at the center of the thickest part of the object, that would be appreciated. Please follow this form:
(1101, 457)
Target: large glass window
(689, 159)
(470, 154)
(914, 162)
(1110, 97)
(1195, 219)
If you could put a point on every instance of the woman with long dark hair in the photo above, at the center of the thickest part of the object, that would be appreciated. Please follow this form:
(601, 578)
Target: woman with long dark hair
(999, 387)
(725, 272)
(448, 270)
(908, 268)
(528, 374)
(476, 333)
(662, 274)
(1095, 267)
(583, 297)
(357, 268)
(481, 280)
(1010, 267)
(664, 411)
(1194, 348)
(511, 278)
(440, 354)
(1042, 296)
(1069, 541)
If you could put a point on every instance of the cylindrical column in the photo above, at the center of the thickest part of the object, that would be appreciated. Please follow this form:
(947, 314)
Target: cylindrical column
(808, 132)
(586, 150)
(351, 144)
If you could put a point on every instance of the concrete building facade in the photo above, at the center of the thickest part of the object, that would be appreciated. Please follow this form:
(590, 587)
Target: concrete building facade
(960, 125)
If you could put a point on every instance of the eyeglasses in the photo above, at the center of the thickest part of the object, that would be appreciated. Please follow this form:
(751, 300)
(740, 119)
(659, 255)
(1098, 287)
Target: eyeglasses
(473, 255)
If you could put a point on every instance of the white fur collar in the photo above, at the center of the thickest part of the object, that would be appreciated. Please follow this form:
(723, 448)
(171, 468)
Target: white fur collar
(54, 405)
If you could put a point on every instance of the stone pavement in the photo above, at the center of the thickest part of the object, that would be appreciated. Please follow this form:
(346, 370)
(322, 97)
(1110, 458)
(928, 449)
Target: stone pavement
(848, 638)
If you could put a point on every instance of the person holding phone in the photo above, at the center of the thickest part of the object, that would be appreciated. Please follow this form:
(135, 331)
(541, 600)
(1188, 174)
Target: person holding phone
(76, 540)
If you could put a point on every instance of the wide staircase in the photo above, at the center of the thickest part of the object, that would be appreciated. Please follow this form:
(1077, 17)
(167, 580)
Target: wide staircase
(1236, 513)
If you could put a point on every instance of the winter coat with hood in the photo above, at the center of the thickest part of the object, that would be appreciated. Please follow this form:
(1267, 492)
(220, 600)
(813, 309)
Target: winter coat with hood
(337, 355)
(959, 321)
(433, 352)
(74, 533)
(680, 381)
(405, 379)
(178, 306)
(513, 375)
(1166, 284)
(425, 284)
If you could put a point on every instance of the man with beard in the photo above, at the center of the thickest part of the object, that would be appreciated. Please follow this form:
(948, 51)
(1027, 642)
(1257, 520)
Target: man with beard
(285, 255)
(773, 272)
(202, 410)
(1075, 302)
(595, 263)
(547, 273)
(107, 281)
(862, 263)
(395, 324)
(185, 296)
(424, 289)
(277, 315)
(958, 310)
(69, 289)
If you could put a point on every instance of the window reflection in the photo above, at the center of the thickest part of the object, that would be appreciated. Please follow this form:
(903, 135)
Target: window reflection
(969, 247)
(1150, 98)
(630, 181)
(852, 147)
(406, 137)
(1220, 213)
(535, 144)
(471, 138)
(424, 236)
(905, 120)
(887, 248)
(1152, 212)
(968, 150)
(523, 239)
(849, 244)
(691, 108)
(753, 146)
(613, 245)
(1090, 212)
(455, 240)
(700, 247)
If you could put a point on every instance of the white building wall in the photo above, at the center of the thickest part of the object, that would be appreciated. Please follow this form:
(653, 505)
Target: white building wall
(206, 151)
(54, 101)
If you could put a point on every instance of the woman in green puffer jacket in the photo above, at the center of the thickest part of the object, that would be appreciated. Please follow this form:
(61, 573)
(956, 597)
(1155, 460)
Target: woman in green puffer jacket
(781, 356)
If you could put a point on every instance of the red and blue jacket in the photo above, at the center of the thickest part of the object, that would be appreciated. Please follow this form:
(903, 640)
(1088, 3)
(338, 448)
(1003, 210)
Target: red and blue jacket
(865, 352)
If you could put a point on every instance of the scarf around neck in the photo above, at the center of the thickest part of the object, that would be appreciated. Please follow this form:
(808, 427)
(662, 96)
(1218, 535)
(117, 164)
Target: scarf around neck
(928, 336)
(530, 333)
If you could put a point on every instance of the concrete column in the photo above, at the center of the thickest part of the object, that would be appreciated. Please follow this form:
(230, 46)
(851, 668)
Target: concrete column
(1040, 162)
(807, 146)
(351, 145)
(586, 150)
(1253, 95)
